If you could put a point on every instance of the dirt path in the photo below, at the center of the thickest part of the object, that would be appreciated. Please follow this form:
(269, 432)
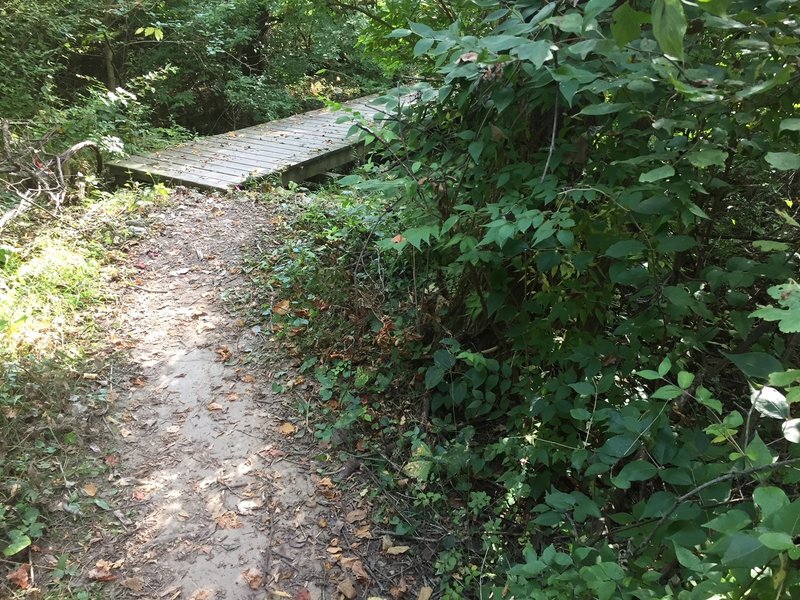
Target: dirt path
(220, 504)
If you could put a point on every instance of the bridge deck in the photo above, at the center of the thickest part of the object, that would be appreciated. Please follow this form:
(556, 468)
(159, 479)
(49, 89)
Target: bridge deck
(296, 148)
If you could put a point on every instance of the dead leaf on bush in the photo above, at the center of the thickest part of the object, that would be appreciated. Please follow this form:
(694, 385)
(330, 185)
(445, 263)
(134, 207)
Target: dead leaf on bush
(397, 550)
(356, 515)
(20, 577)
(287, 429)
(254, 578)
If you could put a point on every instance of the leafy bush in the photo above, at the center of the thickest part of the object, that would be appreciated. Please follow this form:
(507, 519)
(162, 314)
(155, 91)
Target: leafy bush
(601, 225)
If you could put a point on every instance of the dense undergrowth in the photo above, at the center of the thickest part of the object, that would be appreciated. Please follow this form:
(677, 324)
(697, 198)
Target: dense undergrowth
(571, 318)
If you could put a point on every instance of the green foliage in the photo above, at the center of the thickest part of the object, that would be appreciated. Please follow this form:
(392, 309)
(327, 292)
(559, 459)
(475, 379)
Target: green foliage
(595, 204)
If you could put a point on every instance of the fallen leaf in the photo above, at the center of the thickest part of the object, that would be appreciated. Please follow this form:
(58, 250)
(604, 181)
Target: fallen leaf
(287, 429)
(356, 515)
(111, 460)
(363, 533)
(281, 308)
(20, 577)
(347, 588)
(125, 432)
(139, 494)
(138, 381)
(203, 595)
(90, 490)
(248, 378)
(357, 567)
(334, 550)
(386, 543)
(224, 353)
(279, 594)
(326, 482)
(399, 590)
(135, 584)
(102, 571)
(397, 550)
(214, 406)
(229, 520)
(323, 522)
(425, 593)
(173, 429)
(254, 578)
(303, 594)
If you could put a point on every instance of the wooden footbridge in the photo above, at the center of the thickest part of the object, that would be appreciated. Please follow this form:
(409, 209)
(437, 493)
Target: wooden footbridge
(294, 149)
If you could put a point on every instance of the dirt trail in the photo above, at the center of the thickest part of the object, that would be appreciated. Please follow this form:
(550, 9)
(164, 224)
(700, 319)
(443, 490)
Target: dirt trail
(220, 505)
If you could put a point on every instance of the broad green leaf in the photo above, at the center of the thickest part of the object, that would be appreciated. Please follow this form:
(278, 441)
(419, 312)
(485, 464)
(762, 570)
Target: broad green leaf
(675, 243)
(648, 374)
(580, 414)
(422, 46)
(669, 26)
(657, 174)
(666, 392)
(755, 364)
(790, 125)
(785, 378)
(433, 377)
(776, 540)
(536, 52)
(443, 359)
(500, 43)
(771, 246)
(729, 522)
(769, 498)
(665, 366)
(399, 33)
(638, 470)
(758, 453)
(421, 464)
(770, 402)
(791, 430)
(604, 108)
(595, 7)
(783, 161)
(627, 24)
(715, 7)
(584, 388)
(688, 559)
(625, 248)
(18, 543)
(746, 552)
(475, 150)
(422, 30)
(685, 380)
(707, 157)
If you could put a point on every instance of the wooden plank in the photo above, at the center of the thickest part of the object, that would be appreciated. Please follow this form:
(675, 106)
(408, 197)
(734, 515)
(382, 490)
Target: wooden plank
(299, 146)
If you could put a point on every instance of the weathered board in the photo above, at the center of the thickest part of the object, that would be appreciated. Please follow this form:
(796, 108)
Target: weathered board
(296, 148)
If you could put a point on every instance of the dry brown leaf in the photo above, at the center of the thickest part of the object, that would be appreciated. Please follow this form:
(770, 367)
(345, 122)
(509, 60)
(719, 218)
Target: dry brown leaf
(248, 378)
(399, 590)
(303, 594)
(326, 482)
(135, 584)
(254, 578)
(323, 522)
(356, 515)
(139, 494)
(214, 406)
(347, 588)
(224, 353)
(138, 381)
(334, 550)
(397, 550)
(125, 432)
(425, 593)
(363, 533)
(102, 571)
(203, 595)
(279, 594)
(90, 490)
(111, 460)
(357, 567)
(281, 308)
(20, 577)
(287, 429)
(386, 543)
(229, 520)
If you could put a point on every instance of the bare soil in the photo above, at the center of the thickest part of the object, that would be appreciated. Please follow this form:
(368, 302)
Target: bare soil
(224, 500)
